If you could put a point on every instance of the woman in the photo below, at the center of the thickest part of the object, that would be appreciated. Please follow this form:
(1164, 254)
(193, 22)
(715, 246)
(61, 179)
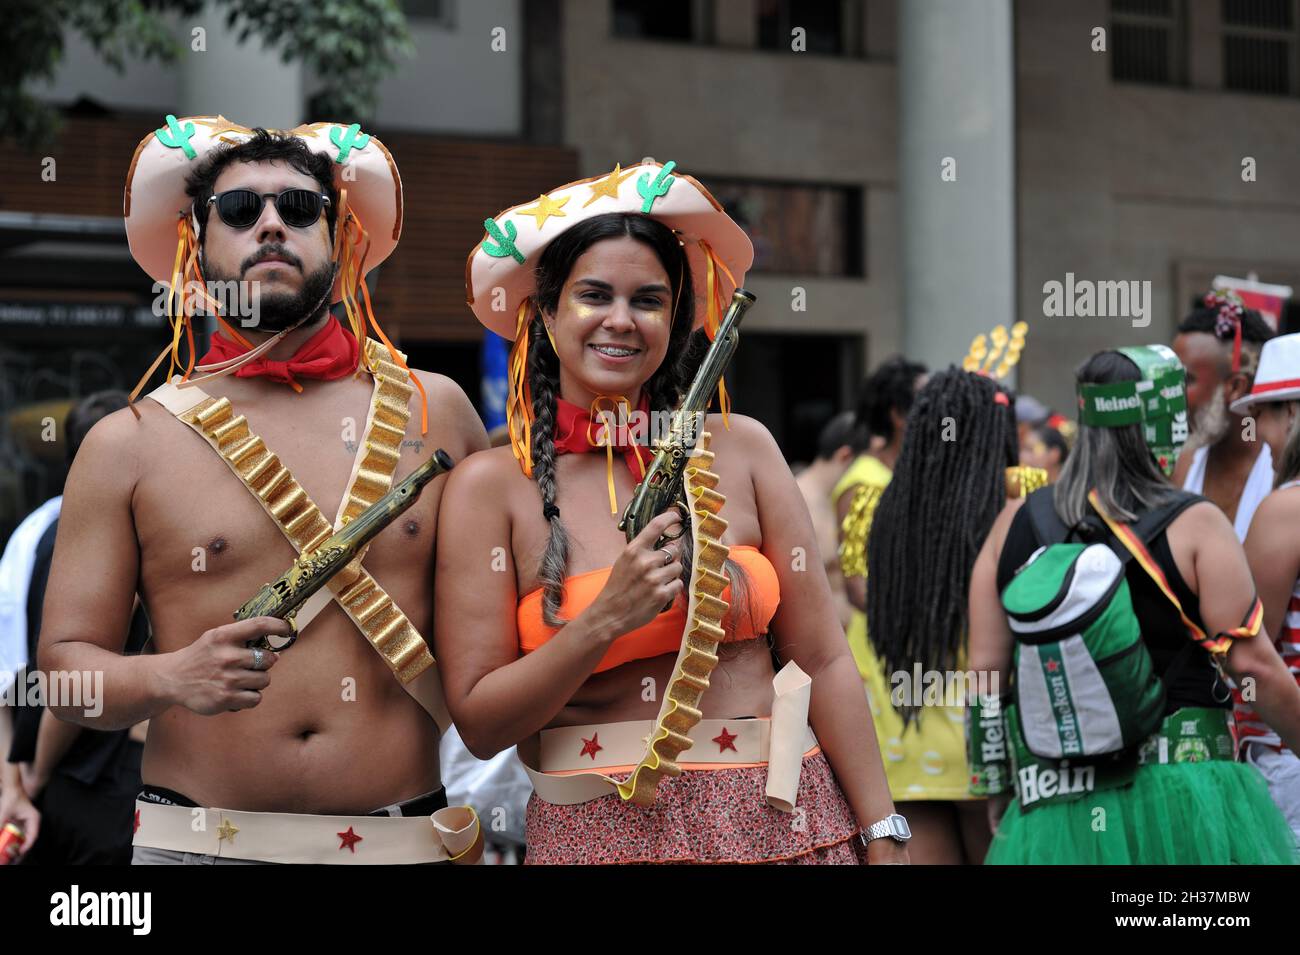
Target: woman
(949, 483)
(551, 627)
(1273, 551)
(1176, 797)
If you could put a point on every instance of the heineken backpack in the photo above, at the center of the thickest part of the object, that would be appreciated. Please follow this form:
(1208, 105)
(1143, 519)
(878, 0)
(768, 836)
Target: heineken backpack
(1085, 682)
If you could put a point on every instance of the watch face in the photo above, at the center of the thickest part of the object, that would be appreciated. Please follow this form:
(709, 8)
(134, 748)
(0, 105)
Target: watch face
(898, 825)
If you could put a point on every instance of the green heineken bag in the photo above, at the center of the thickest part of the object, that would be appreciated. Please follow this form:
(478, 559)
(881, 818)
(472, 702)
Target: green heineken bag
(1085, 682)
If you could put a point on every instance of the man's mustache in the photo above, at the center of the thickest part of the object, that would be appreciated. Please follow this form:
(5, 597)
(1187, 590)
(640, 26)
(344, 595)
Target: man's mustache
(270, 252)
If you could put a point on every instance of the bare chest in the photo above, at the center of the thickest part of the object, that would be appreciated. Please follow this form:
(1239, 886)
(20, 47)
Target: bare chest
(204, 536)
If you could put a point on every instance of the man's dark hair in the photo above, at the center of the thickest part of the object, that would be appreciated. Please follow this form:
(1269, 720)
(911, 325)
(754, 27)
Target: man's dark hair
(1254, 331)
(85, 413)
(891, 387)
(262, 146)
(841, 430)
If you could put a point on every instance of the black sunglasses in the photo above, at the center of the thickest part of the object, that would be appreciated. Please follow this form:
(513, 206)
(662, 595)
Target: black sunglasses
(240, 208)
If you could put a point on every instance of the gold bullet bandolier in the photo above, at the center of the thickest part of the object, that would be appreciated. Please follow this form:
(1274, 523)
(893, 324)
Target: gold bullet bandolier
(385, 627)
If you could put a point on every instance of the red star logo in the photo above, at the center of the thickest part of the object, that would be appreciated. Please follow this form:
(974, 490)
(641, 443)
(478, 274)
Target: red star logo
(726, 741)
(590, 747)
(350, 840)
(137, 822)
(1052, 666)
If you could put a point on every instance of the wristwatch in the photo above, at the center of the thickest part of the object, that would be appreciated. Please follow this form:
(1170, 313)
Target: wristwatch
(893, 826)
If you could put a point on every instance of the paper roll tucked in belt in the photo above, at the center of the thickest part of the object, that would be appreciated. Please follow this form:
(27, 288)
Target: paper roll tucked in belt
(461, 833)
(793, 689)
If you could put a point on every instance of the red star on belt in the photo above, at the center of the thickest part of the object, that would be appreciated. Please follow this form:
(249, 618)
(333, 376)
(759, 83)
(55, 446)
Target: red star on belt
(726, 741)
(137, 822)
(1051, 666)
(590, 747)
(350, 840)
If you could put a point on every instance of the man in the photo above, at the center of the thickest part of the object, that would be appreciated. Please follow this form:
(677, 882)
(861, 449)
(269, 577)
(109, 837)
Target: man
(184, 504)
(840, 441)
(1219, 345)
(887, 396)
(83, 783)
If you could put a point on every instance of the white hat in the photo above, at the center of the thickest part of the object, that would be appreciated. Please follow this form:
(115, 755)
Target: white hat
(506, 257)
(1278, 377)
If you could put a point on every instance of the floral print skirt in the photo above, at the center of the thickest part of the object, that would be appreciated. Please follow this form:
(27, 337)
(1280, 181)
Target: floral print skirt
(702, 816)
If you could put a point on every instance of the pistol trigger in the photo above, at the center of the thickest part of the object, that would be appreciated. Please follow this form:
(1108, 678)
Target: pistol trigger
(292, 621)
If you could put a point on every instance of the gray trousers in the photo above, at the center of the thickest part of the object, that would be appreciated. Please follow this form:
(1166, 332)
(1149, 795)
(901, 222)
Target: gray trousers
(147, 855)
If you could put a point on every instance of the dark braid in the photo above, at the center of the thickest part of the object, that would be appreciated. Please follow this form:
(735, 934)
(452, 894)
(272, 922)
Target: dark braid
(665, 388)
(932, 520)
(543, 376)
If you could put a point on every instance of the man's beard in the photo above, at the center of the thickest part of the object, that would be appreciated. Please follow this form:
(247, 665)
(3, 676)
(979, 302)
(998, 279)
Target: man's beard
(280, 310)
(1211, 423)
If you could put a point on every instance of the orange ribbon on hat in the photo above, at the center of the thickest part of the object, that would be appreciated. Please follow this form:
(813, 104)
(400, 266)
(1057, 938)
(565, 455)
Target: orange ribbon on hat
(351, 246)
(713, 315)
(519, 397)
(185, 275)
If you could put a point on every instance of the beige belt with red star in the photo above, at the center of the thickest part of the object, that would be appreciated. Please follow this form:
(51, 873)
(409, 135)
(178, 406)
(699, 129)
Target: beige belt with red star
(449, 835)
(379, 619)
(571, 764)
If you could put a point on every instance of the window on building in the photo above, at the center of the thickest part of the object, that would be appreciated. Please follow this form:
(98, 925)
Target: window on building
(685, 21)
(437, 12)
(832, 27)
(1148, 41)
(797, 229)
(1259, 46)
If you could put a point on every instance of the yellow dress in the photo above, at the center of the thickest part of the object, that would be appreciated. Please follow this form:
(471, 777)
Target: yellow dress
(927, 760)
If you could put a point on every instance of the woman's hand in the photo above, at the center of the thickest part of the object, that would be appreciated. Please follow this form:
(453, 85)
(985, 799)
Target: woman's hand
(642, 581)
(887, 852)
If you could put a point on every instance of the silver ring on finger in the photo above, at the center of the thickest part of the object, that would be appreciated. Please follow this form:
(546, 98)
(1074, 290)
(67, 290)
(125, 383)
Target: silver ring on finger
(668, 555)
(258, 657)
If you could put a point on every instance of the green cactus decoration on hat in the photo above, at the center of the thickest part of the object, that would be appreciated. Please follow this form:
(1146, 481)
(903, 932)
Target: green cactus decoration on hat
(650, 191)
(348, 140)
(174, 136)
(505, 241)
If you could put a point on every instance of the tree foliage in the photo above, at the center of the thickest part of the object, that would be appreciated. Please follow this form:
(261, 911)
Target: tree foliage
(348, 44)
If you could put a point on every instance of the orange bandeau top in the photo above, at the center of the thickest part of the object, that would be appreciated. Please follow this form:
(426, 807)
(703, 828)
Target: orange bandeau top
(663, 634)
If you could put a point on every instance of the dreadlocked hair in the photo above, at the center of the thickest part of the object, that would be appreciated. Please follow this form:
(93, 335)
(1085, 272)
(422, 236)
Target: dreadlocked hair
(948, 486)
(665, 388)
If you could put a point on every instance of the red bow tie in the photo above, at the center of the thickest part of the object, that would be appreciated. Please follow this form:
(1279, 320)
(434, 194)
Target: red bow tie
(329, 354)
(578, 430)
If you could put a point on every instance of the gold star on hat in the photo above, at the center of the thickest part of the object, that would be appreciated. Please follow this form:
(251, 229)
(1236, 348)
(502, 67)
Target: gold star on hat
(545, 208)
(226, 830)
(608, 186)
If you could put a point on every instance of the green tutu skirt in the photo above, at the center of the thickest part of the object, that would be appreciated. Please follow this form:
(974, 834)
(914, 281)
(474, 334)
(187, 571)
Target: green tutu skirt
(1208, 813)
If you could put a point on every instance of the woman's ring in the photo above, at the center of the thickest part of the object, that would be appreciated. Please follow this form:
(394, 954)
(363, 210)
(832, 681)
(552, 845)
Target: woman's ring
(668, 556)
(258, 657)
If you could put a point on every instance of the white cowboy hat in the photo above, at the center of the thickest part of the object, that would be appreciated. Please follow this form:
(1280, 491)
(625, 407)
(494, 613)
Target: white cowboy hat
(155, 198)
(1278, 377)
(506, 258)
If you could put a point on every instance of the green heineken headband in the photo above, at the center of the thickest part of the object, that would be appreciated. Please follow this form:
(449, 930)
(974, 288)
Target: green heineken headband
(1158, 401)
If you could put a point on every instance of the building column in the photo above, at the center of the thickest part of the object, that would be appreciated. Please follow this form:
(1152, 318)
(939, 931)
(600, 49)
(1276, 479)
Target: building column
(956, 174)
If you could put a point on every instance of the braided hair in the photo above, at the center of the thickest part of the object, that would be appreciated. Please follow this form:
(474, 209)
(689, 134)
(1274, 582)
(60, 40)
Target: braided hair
(948, 487)
(665, 388)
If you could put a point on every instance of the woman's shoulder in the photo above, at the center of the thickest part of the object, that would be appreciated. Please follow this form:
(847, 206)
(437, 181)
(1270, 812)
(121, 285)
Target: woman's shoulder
(487, 473)
(1278, 513)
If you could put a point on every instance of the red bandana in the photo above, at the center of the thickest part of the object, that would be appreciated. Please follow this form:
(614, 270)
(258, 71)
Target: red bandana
(577, 431)
(329, 354)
